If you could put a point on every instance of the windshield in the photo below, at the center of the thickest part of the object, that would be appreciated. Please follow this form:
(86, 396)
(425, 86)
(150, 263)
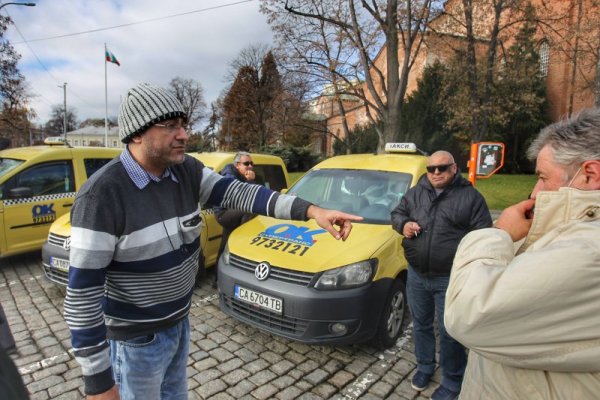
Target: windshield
(8, 164)
(370, 194)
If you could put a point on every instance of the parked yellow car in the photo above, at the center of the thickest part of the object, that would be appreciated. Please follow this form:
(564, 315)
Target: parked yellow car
(37, 186)
(295, 280)
(270, 171)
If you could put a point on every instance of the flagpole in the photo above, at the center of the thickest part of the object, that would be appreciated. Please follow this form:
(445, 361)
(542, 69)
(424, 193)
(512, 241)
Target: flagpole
(105, 100)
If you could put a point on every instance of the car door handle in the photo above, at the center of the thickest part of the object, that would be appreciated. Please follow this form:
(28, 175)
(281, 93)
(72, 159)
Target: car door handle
(67, 205)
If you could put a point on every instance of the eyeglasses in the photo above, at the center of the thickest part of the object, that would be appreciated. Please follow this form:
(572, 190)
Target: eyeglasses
(442, 168)
(171, 127)
(246, 163)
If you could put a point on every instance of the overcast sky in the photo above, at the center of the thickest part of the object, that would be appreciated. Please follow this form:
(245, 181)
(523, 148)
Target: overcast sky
(193, 39)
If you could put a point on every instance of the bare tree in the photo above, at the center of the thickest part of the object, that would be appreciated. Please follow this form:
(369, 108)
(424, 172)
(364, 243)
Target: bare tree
(341, 41)
(191, 95)
(54, 126)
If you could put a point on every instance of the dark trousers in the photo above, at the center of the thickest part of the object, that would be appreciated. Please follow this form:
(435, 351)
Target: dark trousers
(426, 299)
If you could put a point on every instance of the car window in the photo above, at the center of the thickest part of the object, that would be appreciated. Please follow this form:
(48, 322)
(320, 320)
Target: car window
(94, 164)
(370, 194)
(271, 176)
(8, 164)
(43, 179)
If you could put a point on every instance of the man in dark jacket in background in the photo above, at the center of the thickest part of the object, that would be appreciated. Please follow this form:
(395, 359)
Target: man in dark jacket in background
(241, 169)
(434, 216)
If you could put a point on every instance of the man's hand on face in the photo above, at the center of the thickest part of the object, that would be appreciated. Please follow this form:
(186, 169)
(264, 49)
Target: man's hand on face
(515, 219)
(250, 175)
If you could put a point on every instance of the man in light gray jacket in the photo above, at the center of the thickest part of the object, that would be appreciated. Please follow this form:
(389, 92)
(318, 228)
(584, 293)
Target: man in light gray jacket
(530, 317)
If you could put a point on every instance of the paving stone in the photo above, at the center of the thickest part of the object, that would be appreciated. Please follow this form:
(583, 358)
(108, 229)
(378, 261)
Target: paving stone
(262, 377)
(231, 365)
(381, 389)
(241, 389)
(282, 367)
(210, 375)
(264, 392)
(45, 383)
(289, 393)
(270, 357)
(211, 388)
(283, 382)
(341, 379)
(324, 390)
(317, 376)
(205, 364)
(233, 377)
(221, 354)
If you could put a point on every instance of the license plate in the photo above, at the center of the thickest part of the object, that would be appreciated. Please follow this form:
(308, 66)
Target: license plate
(59, 264)
(258, 299)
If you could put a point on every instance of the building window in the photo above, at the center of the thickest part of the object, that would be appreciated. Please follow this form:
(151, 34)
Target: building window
(114, 143)
(76, 142)
(544, 58)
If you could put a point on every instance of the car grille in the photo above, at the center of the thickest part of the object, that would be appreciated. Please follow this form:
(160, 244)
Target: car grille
(264, 318)
(277, 273)
(57, 240)
(55, 275)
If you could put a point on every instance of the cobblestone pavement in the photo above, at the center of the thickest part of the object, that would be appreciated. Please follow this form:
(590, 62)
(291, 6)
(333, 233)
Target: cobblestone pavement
(228, 360)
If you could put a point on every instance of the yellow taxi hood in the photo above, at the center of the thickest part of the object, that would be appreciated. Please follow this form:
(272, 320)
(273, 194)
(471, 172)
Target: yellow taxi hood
(304, 246)
(62, 225)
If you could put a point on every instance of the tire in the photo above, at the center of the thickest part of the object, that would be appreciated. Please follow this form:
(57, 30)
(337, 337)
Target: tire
(392, 319)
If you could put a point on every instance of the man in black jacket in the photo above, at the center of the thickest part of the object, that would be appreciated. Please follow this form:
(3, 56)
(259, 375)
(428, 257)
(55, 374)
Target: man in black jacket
(241, 169)
(434, 216)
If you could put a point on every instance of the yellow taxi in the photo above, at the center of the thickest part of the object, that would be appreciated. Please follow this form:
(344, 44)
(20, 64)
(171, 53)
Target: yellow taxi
(294, 279)
(37, 186)
(270, 171)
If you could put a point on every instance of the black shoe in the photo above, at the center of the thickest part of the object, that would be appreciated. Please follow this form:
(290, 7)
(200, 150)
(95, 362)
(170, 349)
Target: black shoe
(420, 381)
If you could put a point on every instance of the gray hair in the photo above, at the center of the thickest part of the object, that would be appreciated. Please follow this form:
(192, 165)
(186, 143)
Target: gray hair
(572, 140)
(238, 156)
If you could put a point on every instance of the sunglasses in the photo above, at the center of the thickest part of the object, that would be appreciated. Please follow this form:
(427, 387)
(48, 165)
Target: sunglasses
(247, 163)
(442, 168)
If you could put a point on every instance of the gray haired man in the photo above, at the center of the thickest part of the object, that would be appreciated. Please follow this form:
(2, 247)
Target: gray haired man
(531, 318)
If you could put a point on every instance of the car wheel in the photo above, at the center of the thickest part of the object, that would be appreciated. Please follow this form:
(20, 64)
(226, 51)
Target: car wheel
(392, 319)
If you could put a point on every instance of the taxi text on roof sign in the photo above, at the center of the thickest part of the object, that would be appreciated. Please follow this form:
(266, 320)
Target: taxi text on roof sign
(400, 147)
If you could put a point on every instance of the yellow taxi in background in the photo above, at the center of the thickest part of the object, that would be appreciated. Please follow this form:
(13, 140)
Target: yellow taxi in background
(294, 279)
(270, 171)
(37, 186)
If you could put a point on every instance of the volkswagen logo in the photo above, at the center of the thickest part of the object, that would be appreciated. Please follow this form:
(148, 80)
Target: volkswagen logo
(67, 243)
(262, 271)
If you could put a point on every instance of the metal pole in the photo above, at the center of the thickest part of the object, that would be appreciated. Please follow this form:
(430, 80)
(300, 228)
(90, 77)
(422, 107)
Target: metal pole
(105, 101)
(65, 114)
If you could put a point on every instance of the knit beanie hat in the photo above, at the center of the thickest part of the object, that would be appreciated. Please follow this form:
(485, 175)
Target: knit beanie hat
(145, 105)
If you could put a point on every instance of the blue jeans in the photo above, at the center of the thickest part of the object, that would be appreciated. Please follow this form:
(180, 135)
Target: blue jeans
(426, 297)
(153, 366)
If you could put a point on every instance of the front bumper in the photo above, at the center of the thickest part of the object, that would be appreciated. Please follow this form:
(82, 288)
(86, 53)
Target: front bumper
(310, 316)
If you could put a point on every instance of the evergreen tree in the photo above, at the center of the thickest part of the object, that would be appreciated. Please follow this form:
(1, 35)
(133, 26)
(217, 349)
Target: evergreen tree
(423, 117)
(521, 96)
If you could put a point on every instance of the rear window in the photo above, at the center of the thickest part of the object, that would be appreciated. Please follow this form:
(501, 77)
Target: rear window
(271, 176)
(94, 164)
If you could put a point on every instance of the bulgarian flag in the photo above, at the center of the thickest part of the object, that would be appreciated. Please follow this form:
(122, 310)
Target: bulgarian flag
(110, 57)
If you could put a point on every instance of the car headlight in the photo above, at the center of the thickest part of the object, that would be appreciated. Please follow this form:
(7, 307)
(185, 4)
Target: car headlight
(225, 255)
(348, 276)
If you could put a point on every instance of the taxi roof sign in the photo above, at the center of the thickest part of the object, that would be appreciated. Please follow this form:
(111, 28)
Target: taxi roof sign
(55, 140)
(401, 147)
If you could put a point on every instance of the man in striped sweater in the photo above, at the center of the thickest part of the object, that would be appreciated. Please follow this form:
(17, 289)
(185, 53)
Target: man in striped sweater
(135, 245)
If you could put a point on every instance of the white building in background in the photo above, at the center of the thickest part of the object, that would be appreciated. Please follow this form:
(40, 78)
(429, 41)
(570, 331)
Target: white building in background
(94, 136)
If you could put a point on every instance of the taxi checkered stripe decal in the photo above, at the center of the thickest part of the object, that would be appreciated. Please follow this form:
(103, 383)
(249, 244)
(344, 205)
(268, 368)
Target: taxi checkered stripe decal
(35, 199)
